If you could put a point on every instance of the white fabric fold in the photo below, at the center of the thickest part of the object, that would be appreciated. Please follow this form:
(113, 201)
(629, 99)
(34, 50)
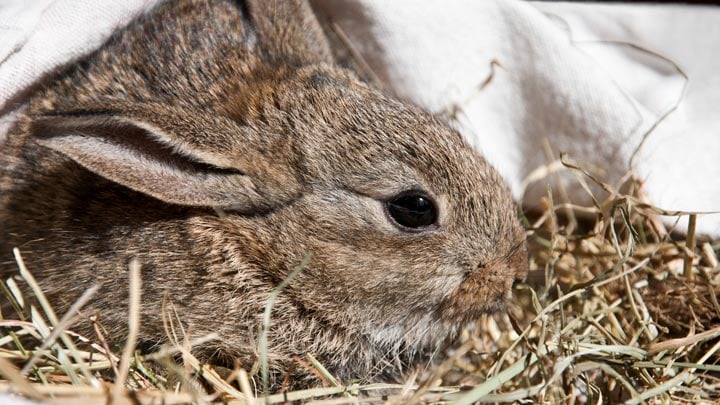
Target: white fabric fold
(38, 36)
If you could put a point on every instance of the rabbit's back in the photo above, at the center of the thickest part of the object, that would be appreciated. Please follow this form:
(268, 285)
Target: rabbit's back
(184, 54)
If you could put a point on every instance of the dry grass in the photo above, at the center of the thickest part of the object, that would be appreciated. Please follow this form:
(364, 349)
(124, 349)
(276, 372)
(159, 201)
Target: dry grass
(615, 310)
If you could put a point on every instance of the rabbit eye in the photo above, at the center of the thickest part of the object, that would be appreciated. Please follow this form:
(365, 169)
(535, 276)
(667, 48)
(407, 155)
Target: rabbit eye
(412, 210)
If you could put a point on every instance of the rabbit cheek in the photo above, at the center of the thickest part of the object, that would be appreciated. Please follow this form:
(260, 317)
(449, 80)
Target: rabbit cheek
(484, 291)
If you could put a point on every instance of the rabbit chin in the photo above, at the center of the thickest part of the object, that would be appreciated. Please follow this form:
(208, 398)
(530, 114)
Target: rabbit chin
(474, 297)
(426, 334)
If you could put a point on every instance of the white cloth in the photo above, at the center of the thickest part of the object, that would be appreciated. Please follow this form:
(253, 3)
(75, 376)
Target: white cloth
(557, 83)
(37, 36)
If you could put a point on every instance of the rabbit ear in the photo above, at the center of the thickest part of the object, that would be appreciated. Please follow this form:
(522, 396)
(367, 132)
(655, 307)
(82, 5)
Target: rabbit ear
(289, 30)
(147, 159)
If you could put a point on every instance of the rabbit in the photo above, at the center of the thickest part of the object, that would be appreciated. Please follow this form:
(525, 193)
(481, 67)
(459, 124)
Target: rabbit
(218, 144)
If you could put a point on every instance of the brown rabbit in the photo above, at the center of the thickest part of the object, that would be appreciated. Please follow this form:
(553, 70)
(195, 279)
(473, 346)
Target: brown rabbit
(218, 144)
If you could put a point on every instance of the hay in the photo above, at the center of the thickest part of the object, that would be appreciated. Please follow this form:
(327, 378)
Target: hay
(614, 310)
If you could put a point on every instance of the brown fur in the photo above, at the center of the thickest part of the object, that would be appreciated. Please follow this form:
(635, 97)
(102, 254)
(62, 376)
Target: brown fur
(203, 107)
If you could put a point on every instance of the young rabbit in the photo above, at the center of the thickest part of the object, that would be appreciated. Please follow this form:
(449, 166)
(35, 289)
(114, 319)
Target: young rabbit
(219, 145)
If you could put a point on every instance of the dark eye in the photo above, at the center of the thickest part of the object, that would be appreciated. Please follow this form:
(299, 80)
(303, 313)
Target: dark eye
(412, 210)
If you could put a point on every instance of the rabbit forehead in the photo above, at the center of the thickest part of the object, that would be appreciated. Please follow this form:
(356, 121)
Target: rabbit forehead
(347, 127)
(380, 146)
